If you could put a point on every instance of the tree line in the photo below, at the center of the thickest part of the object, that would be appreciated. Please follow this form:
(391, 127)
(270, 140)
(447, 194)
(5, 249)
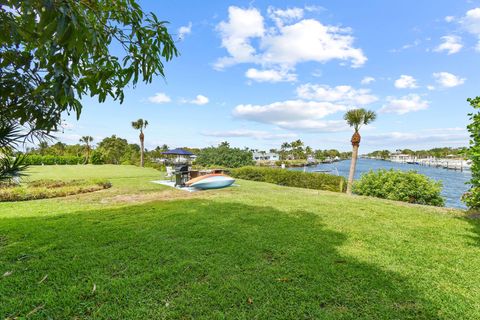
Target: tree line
(110, 150)
(297, 150)
(434, 152)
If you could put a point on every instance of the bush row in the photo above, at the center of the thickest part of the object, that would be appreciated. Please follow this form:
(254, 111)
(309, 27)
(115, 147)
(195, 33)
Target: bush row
(407, 186)
(36, 160)
(318, 181)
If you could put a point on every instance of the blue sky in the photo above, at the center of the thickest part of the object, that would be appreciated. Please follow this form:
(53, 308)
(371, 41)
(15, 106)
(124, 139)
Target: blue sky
(258, 73)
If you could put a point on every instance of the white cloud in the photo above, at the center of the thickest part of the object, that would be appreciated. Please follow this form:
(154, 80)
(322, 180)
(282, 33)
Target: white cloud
(449, 18)
(405, 104)
(286, 110)
(68, 137)
(286, 44)
(451, 44)
(430, 87)
(367, 80)
(315, 125)
(448, 80)
(342, 94)
(200, 100)
(284, 16)
(292, 114)
(308, 112)
(471, 21)
(310, 40)
(317, 73)
(242, 25)
(185, 30)
(407, 46)
(159, 97)
(67, 125)
(406, 82)
(256, 134)
(314, 8)
(270, 75)
(429, 137)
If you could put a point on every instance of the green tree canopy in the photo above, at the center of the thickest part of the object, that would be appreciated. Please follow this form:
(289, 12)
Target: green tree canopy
(224, 156)
(113, 149)
(52, 53)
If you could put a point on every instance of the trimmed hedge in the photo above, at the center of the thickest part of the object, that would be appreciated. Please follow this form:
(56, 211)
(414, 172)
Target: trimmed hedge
(282, 177)
(38, 160)
(406, 186)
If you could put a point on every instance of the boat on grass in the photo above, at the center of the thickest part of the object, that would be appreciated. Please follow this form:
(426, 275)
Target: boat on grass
(211, 181)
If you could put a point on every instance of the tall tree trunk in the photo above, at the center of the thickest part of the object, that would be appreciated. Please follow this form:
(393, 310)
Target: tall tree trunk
(88, 154)
(142, 137)
(353, 165)
(355, 144)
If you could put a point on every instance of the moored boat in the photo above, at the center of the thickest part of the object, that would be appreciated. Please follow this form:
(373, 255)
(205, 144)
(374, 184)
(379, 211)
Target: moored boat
(211, 181)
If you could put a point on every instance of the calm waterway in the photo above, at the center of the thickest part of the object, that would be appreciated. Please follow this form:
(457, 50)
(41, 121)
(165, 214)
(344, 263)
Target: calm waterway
(454, 182)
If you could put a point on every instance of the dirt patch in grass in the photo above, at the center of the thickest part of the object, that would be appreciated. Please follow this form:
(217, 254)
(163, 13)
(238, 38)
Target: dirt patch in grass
(473, 216)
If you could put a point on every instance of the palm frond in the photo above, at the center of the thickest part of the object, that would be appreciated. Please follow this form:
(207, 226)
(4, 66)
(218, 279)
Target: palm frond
(10, 134)
(11, 168)
(356, 118)
(369, 117)
(140, 124)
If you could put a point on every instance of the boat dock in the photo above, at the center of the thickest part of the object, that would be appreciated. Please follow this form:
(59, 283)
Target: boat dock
(451, 164)
(445, 163)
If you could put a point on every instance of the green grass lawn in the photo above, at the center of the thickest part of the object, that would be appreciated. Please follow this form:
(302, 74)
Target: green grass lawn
(257, 251)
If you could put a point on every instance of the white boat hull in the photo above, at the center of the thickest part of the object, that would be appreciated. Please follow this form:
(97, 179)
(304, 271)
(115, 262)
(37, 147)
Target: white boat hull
(213, 182)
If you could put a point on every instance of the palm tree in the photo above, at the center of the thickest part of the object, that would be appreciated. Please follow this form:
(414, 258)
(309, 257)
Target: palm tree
(141, 124)
(164, 148)
(308, 151)
(87, 140)
(284, 150)
(356, 118)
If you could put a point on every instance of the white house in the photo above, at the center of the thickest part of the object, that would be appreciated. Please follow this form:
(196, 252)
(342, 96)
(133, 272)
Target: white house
(402, 158)
(311, 159)
(265, 156)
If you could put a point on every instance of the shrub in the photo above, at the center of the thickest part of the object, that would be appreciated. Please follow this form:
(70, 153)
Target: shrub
(318, 181)
(292, 163)
(42, 189)
(408, 186)
(472, 197)
(96, 157)
(224, 156)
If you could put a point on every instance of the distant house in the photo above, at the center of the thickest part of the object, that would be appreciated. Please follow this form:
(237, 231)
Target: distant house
(402, 158)
(265, 156)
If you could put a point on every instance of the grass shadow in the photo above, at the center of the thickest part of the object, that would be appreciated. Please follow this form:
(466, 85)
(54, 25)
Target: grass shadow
(192, 259)
(473, 218)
